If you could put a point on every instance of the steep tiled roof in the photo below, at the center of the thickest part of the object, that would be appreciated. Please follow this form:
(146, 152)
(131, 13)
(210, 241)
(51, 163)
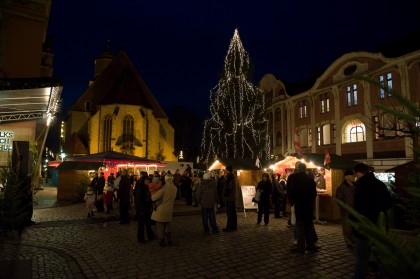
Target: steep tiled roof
(119, 83)
(75, 145)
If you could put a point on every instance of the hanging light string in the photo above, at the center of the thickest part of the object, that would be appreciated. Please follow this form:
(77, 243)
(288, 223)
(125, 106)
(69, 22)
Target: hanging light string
(238, 127)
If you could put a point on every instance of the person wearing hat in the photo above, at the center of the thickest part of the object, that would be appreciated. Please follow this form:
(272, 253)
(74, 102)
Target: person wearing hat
(345, 193)
(302, 197)
(207, 199)
(229, 194)
(371, 197)
(90, 201)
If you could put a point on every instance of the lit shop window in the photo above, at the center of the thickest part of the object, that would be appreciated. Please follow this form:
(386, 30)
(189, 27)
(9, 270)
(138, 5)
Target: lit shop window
(351, 93)
(325, 103)
(354, 131)
(303, 111)
(386, 85)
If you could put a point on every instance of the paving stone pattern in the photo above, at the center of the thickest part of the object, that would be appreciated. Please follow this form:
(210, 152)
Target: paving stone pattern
(65, 244)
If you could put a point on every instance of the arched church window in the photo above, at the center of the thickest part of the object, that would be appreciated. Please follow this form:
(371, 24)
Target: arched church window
(107, 133)
(128, 134)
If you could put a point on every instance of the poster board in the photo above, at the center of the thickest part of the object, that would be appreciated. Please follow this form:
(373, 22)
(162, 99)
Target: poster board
(248, 192)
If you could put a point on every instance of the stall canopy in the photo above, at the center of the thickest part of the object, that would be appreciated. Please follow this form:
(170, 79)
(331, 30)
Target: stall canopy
(113, 157)
(313, 160)
(337, 161)
(79, 165)
(236, 163)
(29, 98)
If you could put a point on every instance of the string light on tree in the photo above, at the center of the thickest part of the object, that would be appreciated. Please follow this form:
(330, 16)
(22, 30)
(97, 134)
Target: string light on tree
(238, 127)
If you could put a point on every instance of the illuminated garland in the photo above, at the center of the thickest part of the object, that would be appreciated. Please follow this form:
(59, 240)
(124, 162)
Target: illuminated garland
(238, 127)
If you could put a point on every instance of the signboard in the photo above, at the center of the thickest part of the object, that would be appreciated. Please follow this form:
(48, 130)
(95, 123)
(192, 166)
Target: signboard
(6, 141)
(248, 192)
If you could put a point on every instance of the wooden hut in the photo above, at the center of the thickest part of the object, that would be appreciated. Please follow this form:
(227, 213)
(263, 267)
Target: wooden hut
(333, 174)
(245, 169)
(70, 176)
(247, 174)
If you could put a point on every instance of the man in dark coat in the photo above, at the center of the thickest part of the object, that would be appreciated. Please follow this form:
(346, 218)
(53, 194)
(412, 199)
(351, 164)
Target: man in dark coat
(144, 209)
(230, 199)
(124, 197)
(101, 184)
(371, 197)
(302, 196)
(220, 189)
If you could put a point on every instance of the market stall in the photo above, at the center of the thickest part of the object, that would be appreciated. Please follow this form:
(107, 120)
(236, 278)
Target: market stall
(74, 169)
(332, 173)
(247, 174)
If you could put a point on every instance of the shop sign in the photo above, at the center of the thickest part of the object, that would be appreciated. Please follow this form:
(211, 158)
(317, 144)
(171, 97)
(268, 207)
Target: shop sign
(6, 141)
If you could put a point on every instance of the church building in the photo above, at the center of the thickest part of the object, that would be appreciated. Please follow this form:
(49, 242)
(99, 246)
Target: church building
(118, 112)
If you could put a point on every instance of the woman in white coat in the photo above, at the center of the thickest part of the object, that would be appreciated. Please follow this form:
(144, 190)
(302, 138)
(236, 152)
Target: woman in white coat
(163, 213)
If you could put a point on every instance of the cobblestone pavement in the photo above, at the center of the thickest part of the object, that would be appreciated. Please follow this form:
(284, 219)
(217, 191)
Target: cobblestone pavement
(64, 244)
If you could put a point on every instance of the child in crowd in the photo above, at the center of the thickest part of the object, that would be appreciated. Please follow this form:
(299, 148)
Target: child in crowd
(109, 197)
(90, 201)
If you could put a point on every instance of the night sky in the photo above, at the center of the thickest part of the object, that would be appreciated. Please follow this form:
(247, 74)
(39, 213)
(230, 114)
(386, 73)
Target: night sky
(178, 47)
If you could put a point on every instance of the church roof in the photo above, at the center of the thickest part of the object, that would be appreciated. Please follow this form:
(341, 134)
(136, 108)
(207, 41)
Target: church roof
(75, 145)
(119, 83)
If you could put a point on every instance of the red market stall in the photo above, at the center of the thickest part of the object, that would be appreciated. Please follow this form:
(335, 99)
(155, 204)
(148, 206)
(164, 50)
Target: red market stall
(74, 169)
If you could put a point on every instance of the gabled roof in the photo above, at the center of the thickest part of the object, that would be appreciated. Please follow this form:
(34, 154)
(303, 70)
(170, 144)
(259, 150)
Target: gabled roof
(116, 157)
(236, 163)
(76, 165)
(337, 161)
(75, 145)
(119, 83)
(412, 165)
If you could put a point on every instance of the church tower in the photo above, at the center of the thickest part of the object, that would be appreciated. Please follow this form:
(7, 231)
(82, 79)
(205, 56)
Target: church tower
(103, 60)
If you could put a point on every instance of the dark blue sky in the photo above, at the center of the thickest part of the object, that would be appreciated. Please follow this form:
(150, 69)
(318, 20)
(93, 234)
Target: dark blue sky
(178, 47)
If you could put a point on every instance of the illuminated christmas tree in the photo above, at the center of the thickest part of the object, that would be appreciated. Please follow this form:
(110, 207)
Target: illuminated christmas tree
(238, 127)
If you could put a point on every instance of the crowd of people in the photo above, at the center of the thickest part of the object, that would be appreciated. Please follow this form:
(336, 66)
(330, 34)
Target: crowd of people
(154, 196)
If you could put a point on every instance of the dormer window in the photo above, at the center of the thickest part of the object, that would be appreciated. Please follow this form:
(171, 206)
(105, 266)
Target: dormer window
(88, 105)
(350, 70)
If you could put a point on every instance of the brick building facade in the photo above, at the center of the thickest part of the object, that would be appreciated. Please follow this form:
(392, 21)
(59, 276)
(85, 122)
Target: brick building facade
(337, 110)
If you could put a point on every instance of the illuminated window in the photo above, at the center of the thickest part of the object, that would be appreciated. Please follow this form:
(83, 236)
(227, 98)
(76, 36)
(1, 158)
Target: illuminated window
(326, 134)
(107, 133)
(381, 89)
(128, 134)
(325, 103)
(351, 93)
(354, 131)
(303, 111)
(376, 123)
(385, 86)
(309, 137)
(318, 132)
(355, 94)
